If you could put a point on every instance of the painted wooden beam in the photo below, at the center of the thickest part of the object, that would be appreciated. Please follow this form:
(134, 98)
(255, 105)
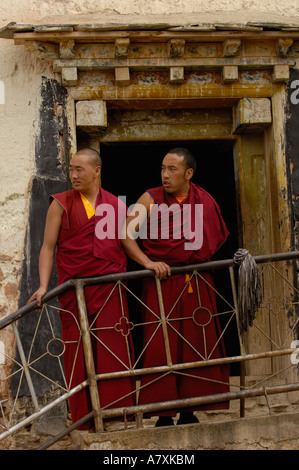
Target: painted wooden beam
(67, 49)
(121, 48)
(146, 63)
(69, 76)
(230, 73)
(122, 76)
(176, 75)
(91, 114)
(281, 73)
(251, 114)
(231, 47)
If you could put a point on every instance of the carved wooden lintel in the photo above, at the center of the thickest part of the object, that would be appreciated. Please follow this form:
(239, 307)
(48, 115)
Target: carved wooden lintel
(251, 115)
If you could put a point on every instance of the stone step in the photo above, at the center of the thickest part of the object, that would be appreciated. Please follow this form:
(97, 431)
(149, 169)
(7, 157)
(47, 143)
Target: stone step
(271, 432)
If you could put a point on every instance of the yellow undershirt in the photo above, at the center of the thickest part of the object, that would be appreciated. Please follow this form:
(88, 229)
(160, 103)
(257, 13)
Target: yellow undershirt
(90, 211)
(178, 198)
(181, 198)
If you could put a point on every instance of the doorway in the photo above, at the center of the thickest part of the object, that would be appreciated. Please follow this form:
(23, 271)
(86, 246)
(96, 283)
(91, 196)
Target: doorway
(129, 168)
(132, 167)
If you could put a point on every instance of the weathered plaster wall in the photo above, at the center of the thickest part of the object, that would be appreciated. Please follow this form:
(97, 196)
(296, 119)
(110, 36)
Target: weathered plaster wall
(243, 10)
(20, 73)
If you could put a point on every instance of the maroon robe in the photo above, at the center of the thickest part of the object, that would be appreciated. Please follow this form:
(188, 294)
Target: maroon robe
(80, 253)
(197, 336)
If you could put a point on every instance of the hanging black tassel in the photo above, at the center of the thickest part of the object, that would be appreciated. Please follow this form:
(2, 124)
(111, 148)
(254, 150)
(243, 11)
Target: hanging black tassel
(250, 293)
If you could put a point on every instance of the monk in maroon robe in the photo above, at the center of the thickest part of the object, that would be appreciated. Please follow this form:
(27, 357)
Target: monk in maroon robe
(81, 254)
(75, 226)
(175, 237)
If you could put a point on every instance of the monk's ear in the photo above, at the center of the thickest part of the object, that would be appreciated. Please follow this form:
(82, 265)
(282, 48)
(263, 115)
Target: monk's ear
(98, 170)
(189, 173)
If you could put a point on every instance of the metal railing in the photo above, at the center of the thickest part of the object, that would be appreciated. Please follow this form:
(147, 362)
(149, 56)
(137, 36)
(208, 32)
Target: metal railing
(279, 309)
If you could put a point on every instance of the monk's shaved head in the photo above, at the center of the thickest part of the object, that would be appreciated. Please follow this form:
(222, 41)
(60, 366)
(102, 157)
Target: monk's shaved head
(94, 156)
(189, 158)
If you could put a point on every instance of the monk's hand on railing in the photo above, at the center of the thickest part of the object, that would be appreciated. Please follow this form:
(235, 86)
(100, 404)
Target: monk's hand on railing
(161, 269)
(41, 291)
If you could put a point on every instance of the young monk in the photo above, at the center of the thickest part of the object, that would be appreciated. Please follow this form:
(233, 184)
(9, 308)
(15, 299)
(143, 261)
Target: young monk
(175, 237)
(72, 227)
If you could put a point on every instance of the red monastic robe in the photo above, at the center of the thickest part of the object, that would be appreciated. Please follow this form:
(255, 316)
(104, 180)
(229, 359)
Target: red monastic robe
(190, 307)
(80, 253)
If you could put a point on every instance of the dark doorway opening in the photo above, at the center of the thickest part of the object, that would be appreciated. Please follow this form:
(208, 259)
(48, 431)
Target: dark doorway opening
(132, 167)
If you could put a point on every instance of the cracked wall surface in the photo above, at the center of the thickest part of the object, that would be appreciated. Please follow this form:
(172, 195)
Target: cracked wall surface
(191, 11)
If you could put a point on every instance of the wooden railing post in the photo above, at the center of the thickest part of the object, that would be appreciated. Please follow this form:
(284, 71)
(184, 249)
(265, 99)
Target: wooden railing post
(88, 355)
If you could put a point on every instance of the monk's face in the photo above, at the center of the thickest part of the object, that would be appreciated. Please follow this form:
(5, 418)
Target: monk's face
(84, 175)
(175, 175)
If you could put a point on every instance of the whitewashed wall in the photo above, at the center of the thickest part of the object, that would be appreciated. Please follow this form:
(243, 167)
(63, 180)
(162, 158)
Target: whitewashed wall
(20, 78)
(32, 10)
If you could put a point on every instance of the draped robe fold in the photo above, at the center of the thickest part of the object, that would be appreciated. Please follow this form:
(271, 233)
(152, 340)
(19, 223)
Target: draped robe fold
(80, 253)
(193, 326)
